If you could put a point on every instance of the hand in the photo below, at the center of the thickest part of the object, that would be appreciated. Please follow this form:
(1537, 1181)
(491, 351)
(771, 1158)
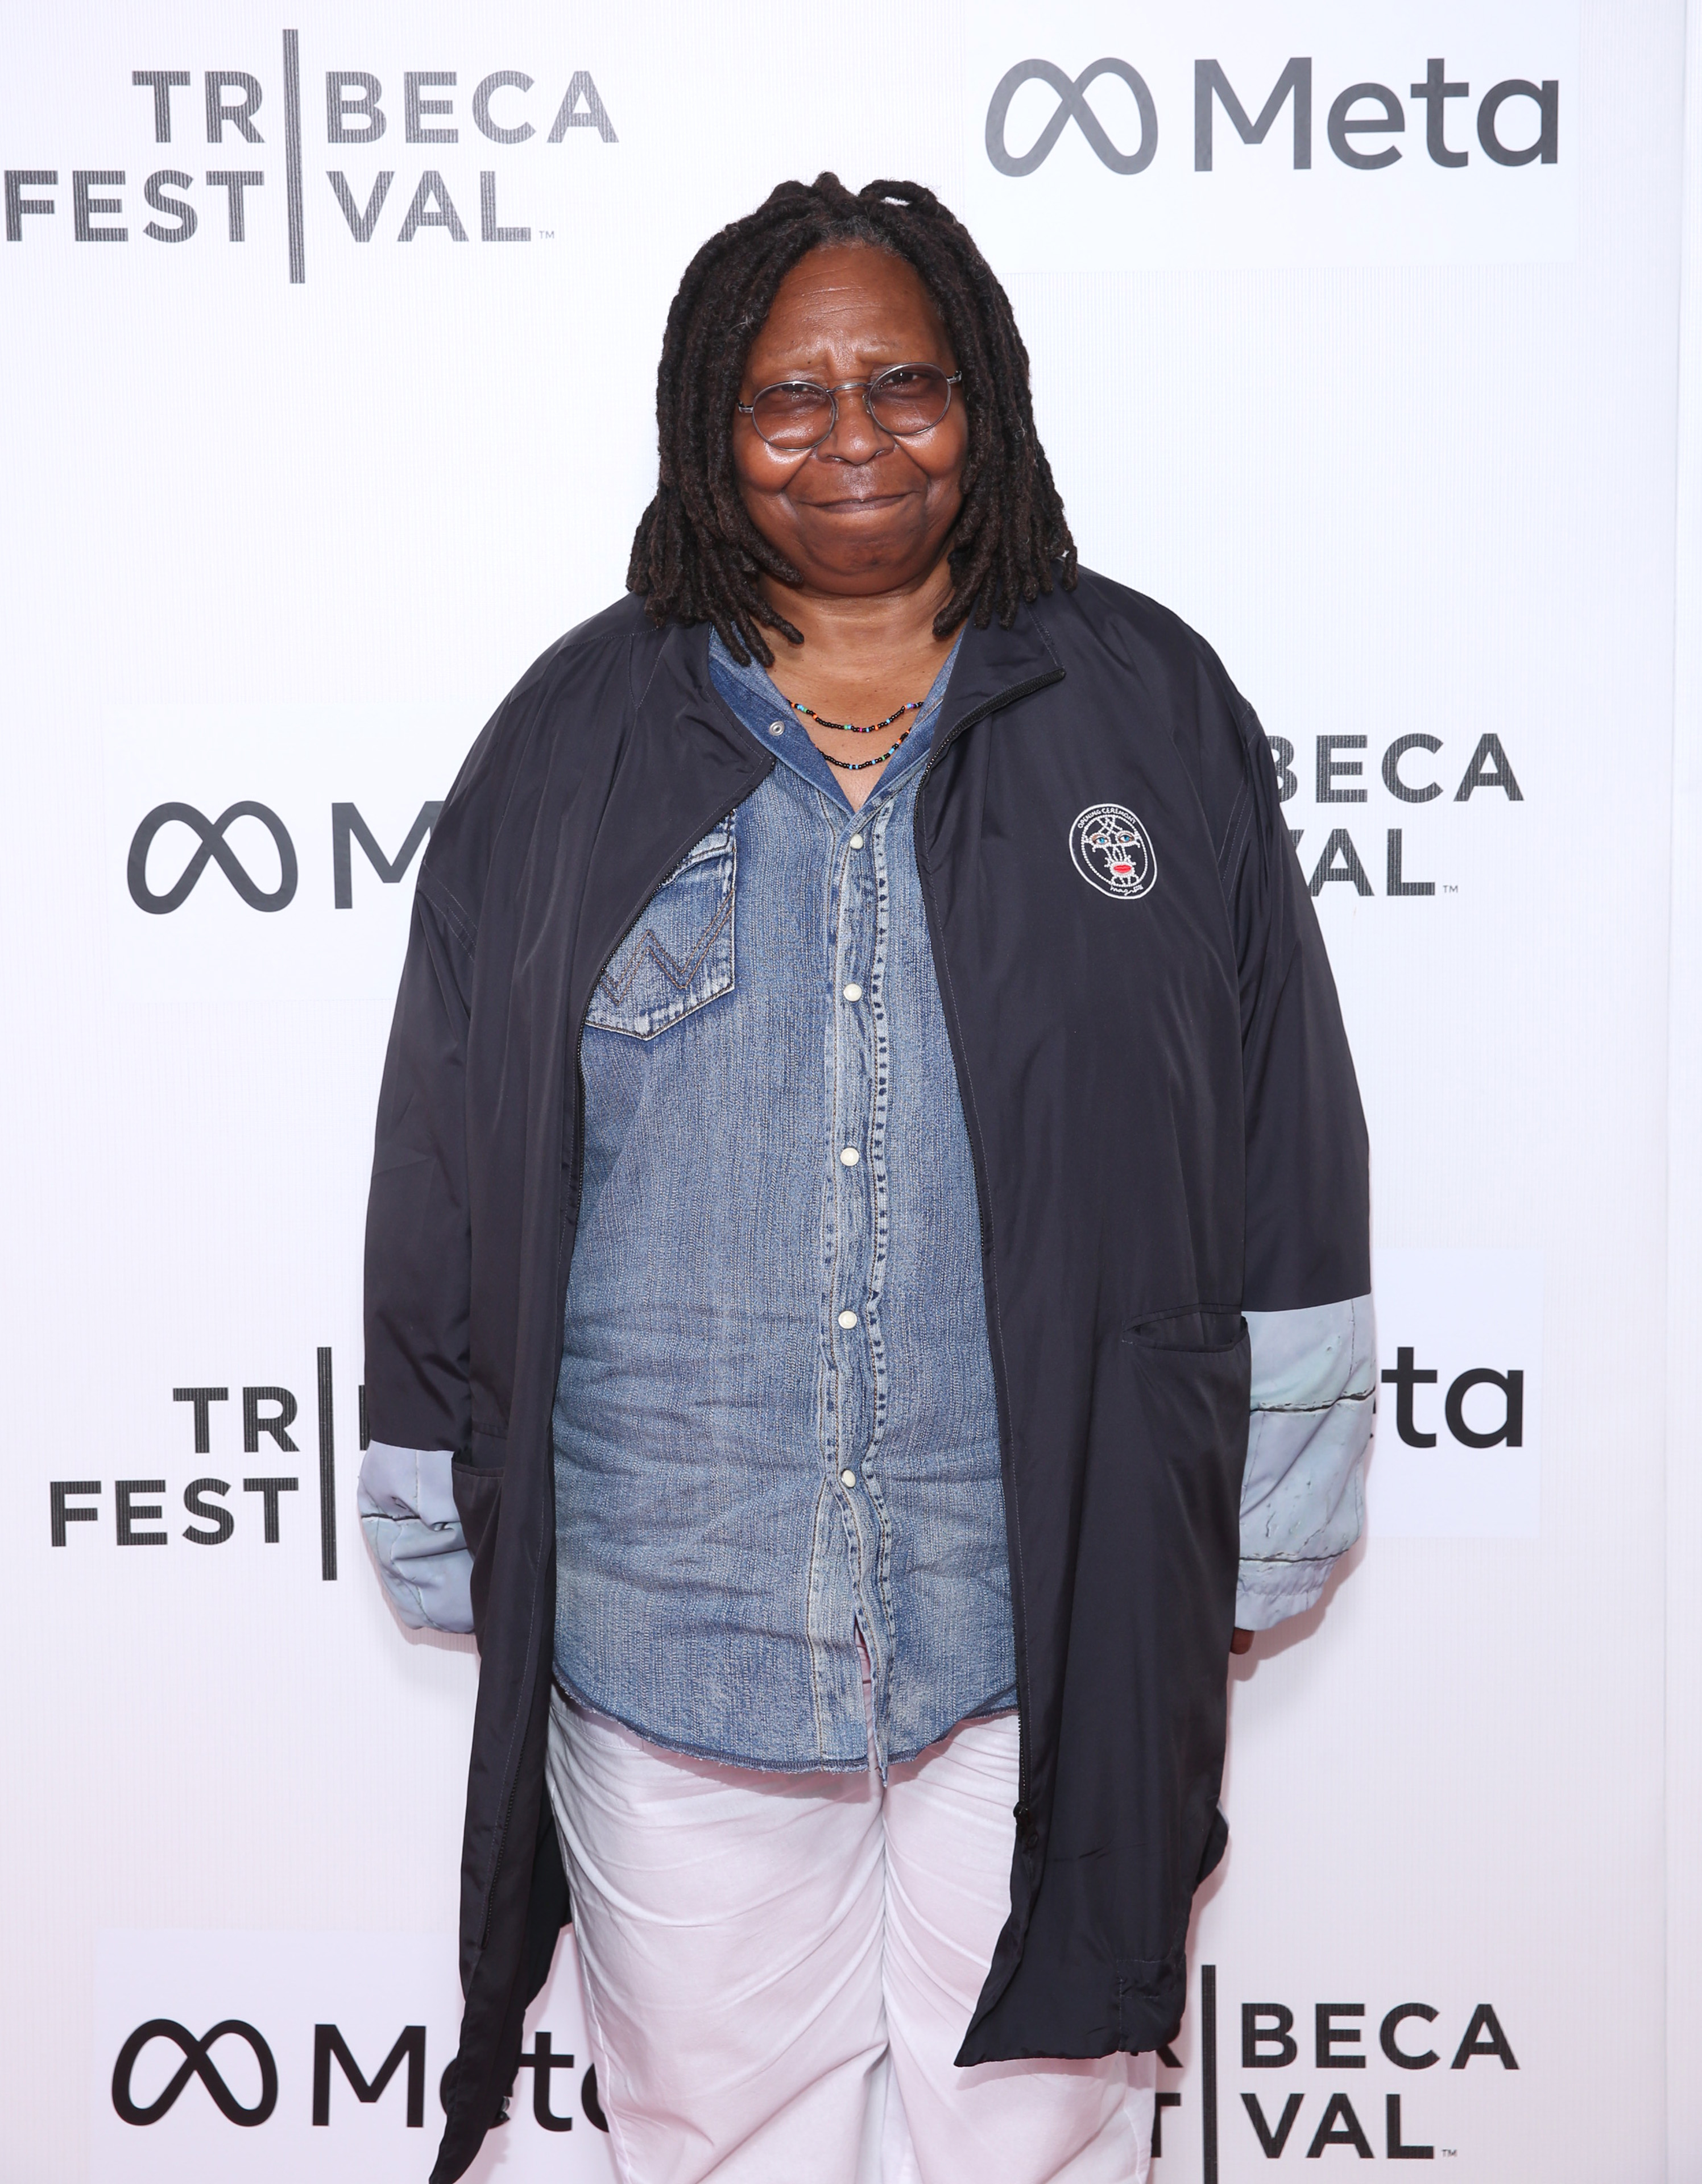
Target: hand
(1241, 1641)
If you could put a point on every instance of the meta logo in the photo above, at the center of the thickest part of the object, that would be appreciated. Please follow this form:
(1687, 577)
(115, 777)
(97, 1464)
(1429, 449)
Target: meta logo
(243, 127)
(405, 2059)
(1504, 1428)
(1459, 1445)
(197, 2063)
(1073, 106)
(212, 848)
(1360, 115)
(1408, 772)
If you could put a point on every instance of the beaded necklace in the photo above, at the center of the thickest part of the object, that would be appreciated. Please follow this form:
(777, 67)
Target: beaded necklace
(849, 728)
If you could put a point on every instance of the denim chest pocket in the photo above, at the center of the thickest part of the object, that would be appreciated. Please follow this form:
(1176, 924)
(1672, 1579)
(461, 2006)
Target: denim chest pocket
(679, 957)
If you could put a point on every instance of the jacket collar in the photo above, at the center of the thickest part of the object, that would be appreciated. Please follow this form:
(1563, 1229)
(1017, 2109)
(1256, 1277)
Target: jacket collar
(679, 693)
(994, 666)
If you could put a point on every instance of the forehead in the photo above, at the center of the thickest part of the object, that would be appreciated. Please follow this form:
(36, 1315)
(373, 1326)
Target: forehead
(850, 297)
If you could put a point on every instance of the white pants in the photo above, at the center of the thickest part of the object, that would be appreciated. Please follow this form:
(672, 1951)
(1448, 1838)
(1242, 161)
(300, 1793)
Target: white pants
(780, 1967)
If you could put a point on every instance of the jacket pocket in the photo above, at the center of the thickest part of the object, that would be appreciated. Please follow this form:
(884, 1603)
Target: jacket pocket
(678, 957)
(1192, 1383)
(1205, 1328)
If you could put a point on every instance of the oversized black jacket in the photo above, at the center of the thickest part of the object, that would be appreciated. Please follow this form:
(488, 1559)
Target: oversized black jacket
(1165, 1130)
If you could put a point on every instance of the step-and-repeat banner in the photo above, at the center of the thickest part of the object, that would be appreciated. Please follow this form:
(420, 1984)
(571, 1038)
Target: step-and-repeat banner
(328, 344)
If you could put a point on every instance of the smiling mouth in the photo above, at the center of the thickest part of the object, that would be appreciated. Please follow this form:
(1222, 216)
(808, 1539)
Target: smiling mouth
(854, 502)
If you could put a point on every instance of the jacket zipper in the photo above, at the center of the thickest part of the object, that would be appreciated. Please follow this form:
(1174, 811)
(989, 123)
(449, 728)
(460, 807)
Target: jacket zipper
(644, 903)
(1023, 1816)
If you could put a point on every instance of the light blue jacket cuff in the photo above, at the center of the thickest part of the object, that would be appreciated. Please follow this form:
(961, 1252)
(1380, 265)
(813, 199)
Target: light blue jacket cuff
(1303, 1492)
(1269, 1592)
(407, 1512)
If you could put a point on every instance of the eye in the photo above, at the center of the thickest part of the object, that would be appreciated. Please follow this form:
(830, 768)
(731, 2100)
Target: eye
(791, 398)
(910, 398)
(794, 413)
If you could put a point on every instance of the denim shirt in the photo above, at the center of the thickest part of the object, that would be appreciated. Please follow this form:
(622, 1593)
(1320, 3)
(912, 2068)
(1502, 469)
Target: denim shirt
(774, 1424)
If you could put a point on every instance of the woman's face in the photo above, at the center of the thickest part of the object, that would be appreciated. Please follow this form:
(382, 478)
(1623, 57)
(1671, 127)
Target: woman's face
(862, 512)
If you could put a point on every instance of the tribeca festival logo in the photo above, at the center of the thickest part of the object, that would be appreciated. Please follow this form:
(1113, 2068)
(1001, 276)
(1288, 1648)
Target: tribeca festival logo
(236, 116)
(1403, 2118)
(268, 1412)
(1336, 777)
(1317, 2119)
(348, 831)
(1364, 111)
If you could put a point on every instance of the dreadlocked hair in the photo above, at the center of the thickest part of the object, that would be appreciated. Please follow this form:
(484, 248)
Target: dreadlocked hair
(696, 556)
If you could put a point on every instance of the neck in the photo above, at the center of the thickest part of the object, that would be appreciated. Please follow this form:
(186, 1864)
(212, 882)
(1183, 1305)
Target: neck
(864, 640)
(861, 659)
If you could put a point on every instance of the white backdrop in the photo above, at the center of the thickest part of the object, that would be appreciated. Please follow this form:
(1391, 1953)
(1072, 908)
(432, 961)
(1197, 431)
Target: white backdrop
(286, 511)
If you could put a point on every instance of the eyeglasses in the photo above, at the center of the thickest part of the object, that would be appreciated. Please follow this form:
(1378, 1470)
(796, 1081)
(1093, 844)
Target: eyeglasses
(796, 414)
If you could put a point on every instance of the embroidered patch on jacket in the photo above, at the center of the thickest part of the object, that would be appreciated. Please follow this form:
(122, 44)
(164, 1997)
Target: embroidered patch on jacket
(1114, 852)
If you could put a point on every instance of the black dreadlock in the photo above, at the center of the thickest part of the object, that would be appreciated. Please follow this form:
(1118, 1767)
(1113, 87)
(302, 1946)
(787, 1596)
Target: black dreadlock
(696, 556)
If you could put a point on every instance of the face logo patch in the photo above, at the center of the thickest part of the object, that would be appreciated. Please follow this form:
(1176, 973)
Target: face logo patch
(1113, 852)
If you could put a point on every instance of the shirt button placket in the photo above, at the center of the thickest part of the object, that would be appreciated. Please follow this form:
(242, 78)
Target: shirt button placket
(848, 1091)
(854, 949)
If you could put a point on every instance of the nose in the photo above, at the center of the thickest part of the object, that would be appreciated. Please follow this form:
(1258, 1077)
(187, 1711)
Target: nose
(855, 439)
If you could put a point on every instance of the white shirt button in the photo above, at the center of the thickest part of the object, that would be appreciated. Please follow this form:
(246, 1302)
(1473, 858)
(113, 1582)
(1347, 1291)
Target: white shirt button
(777, 727)
(854, 992)
(847, 1319)
(850, 1156)
(856, 841)
(847, 1478)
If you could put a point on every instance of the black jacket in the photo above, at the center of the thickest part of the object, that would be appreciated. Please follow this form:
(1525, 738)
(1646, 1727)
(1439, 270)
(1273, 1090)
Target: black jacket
(1165, 1130)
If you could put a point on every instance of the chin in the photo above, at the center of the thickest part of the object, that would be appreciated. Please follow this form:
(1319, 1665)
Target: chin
(858, 549)
(860, 577)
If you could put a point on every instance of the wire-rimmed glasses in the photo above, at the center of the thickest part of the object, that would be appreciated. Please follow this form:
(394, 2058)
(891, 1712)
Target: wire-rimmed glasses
(797, 415)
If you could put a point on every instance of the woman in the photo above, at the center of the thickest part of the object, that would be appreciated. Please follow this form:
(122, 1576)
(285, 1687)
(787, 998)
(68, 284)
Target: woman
(867, 1115)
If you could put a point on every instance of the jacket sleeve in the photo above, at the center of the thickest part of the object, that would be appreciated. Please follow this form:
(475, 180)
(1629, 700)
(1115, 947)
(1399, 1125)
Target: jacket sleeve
(1307, 1297)
(418, 1276)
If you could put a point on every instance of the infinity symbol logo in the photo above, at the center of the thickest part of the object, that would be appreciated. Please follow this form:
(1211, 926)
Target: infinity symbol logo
(197, 2062)
(1072, 104)
(214, 849)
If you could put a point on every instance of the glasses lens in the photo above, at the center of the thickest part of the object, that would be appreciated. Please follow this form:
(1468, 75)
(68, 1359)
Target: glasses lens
(793, 414)
(909, 399)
